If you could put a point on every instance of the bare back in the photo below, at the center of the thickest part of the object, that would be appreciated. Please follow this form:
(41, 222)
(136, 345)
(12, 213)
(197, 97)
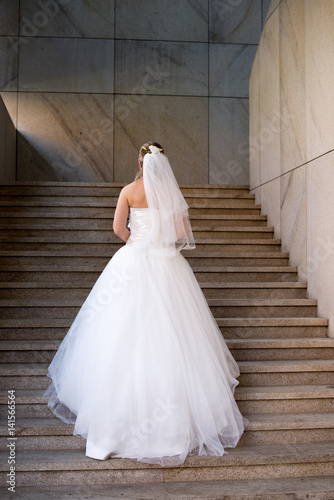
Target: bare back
(135, 194)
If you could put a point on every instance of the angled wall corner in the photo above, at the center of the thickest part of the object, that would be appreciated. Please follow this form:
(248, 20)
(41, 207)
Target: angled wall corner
(291, 140)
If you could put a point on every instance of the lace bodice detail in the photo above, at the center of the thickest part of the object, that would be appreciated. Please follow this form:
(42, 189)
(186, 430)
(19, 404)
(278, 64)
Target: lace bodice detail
(140, 223)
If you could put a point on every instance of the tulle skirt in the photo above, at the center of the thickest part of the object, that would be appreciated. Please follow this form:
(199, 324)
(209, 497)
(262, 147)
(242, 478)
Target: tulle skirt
(144, 371)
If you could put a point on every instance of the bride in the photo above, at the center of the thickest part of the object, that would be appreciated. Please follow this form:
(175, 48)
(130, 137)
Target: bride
(144, 371)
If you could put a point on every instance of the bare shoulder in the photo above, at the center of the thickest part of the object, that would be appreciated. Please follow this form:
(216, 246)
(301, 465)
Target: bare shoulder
(129, 187)
(134, 187)
(127, 190)
(135, 194)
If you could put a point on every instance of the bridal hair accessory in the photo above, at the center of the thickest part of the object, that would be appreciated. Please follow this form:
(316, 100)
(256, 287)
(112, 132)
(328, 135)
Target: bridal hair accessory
(151, 150)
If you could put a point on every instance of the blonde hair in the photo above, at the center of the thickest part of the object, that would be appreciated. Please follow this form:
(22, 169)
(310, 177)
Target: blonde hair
(142, 152)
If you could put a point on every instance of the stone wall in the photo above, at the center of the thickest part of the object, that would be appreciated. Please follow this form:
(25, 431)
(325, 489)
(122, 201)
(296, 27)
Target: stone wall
(97, 78)
(292, 141)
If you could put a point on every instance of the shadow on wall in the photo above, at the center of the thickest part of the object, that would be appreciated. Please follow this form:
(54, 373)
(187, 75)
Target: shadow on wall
(7, 146)
(16, 150)
(35, 165)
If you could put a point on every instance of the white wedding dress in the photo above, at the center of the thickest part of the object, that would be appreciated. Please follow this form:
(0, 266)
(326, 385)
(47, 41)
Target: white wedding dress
(144, 371)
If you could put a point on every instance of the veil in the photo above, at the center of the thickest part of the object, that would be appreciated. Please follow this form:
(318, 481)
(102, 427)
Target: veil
(171, 229)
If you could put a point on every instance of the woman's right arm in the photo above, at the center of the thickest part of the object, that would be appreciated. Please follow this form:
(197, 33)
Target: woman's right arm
(121, 216)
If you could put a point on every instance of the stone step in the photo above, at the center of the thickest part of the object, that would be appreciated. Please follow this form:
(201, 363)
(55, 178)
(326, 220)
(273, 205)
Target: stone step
(74, 250)
(247, 290)
(304, 488)
(246, 274)
(285, 399)
(89, 213)
(236, 234)
(42, 351)
(220, 308)
(286, 428)
(244, 462)
(202, 245)
(102, 257)
(252, 373)
(107, 235)
(107, 189)
(267, 399)
(232, 328)
(112, 193)
(83, 275)
(62, 189)
(199, 261)
(223, 201)
(264, 428)
(286, 372)
(194, 211)
(37, 290)
(46, 328)
(91, 264)
(281, 349)
(106, 224)
(234, 217)
(286, 361)
(104, 220)
(197, 258)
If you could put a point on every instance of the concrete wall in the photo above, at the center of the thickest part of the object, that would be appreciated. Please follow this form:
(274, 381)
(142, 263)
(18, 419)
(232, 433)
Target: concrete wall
(292, 141)
(97, 78)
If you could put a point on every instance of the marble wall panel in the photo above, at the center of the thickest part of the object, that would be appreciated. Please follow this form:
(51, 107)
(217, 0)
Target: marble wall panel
(268, 137)
(177, 20)
(299, 203)
(292, 85)
(67, 18)
(294, 218)
(230, 66)
(235, 21)
(319, 71)
(8, 63)
(254, 127)
(9, 17)
(270, 205)
(7, 146)
(273, 4)
(161, 49)
(320, 235)
(65, 137)
(180, 124)
(265, 9)
(228, 141)
(67, 65)
(161, 68)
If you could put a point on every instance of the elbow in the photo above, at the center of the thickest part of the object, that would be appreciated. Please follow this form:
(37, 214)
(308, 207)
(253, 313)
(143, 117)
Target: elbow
(116, 229)
(121, 232)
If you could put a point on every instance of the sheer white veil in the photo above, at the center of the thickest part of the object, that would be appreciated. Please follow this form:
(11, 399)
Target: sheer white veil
(171, 229)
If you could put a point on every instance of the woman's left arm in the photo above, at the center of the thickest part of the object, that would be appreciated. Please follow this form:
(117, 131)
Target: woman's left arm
(121, 217)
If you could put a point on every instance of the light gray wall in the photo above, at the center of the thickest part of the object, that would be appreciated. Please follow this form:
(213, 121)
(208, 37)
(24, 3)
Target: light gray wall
(291, 139)
(97, 78)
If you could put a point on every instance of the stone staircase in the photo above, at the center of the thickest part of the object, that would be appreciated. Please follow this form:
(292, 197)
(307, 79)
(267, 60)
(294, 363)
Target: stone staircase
(56, 239)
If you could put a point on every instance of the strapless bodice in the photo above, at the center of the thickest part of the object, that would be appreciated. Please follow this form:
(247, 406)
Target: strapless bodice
(140, 223)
